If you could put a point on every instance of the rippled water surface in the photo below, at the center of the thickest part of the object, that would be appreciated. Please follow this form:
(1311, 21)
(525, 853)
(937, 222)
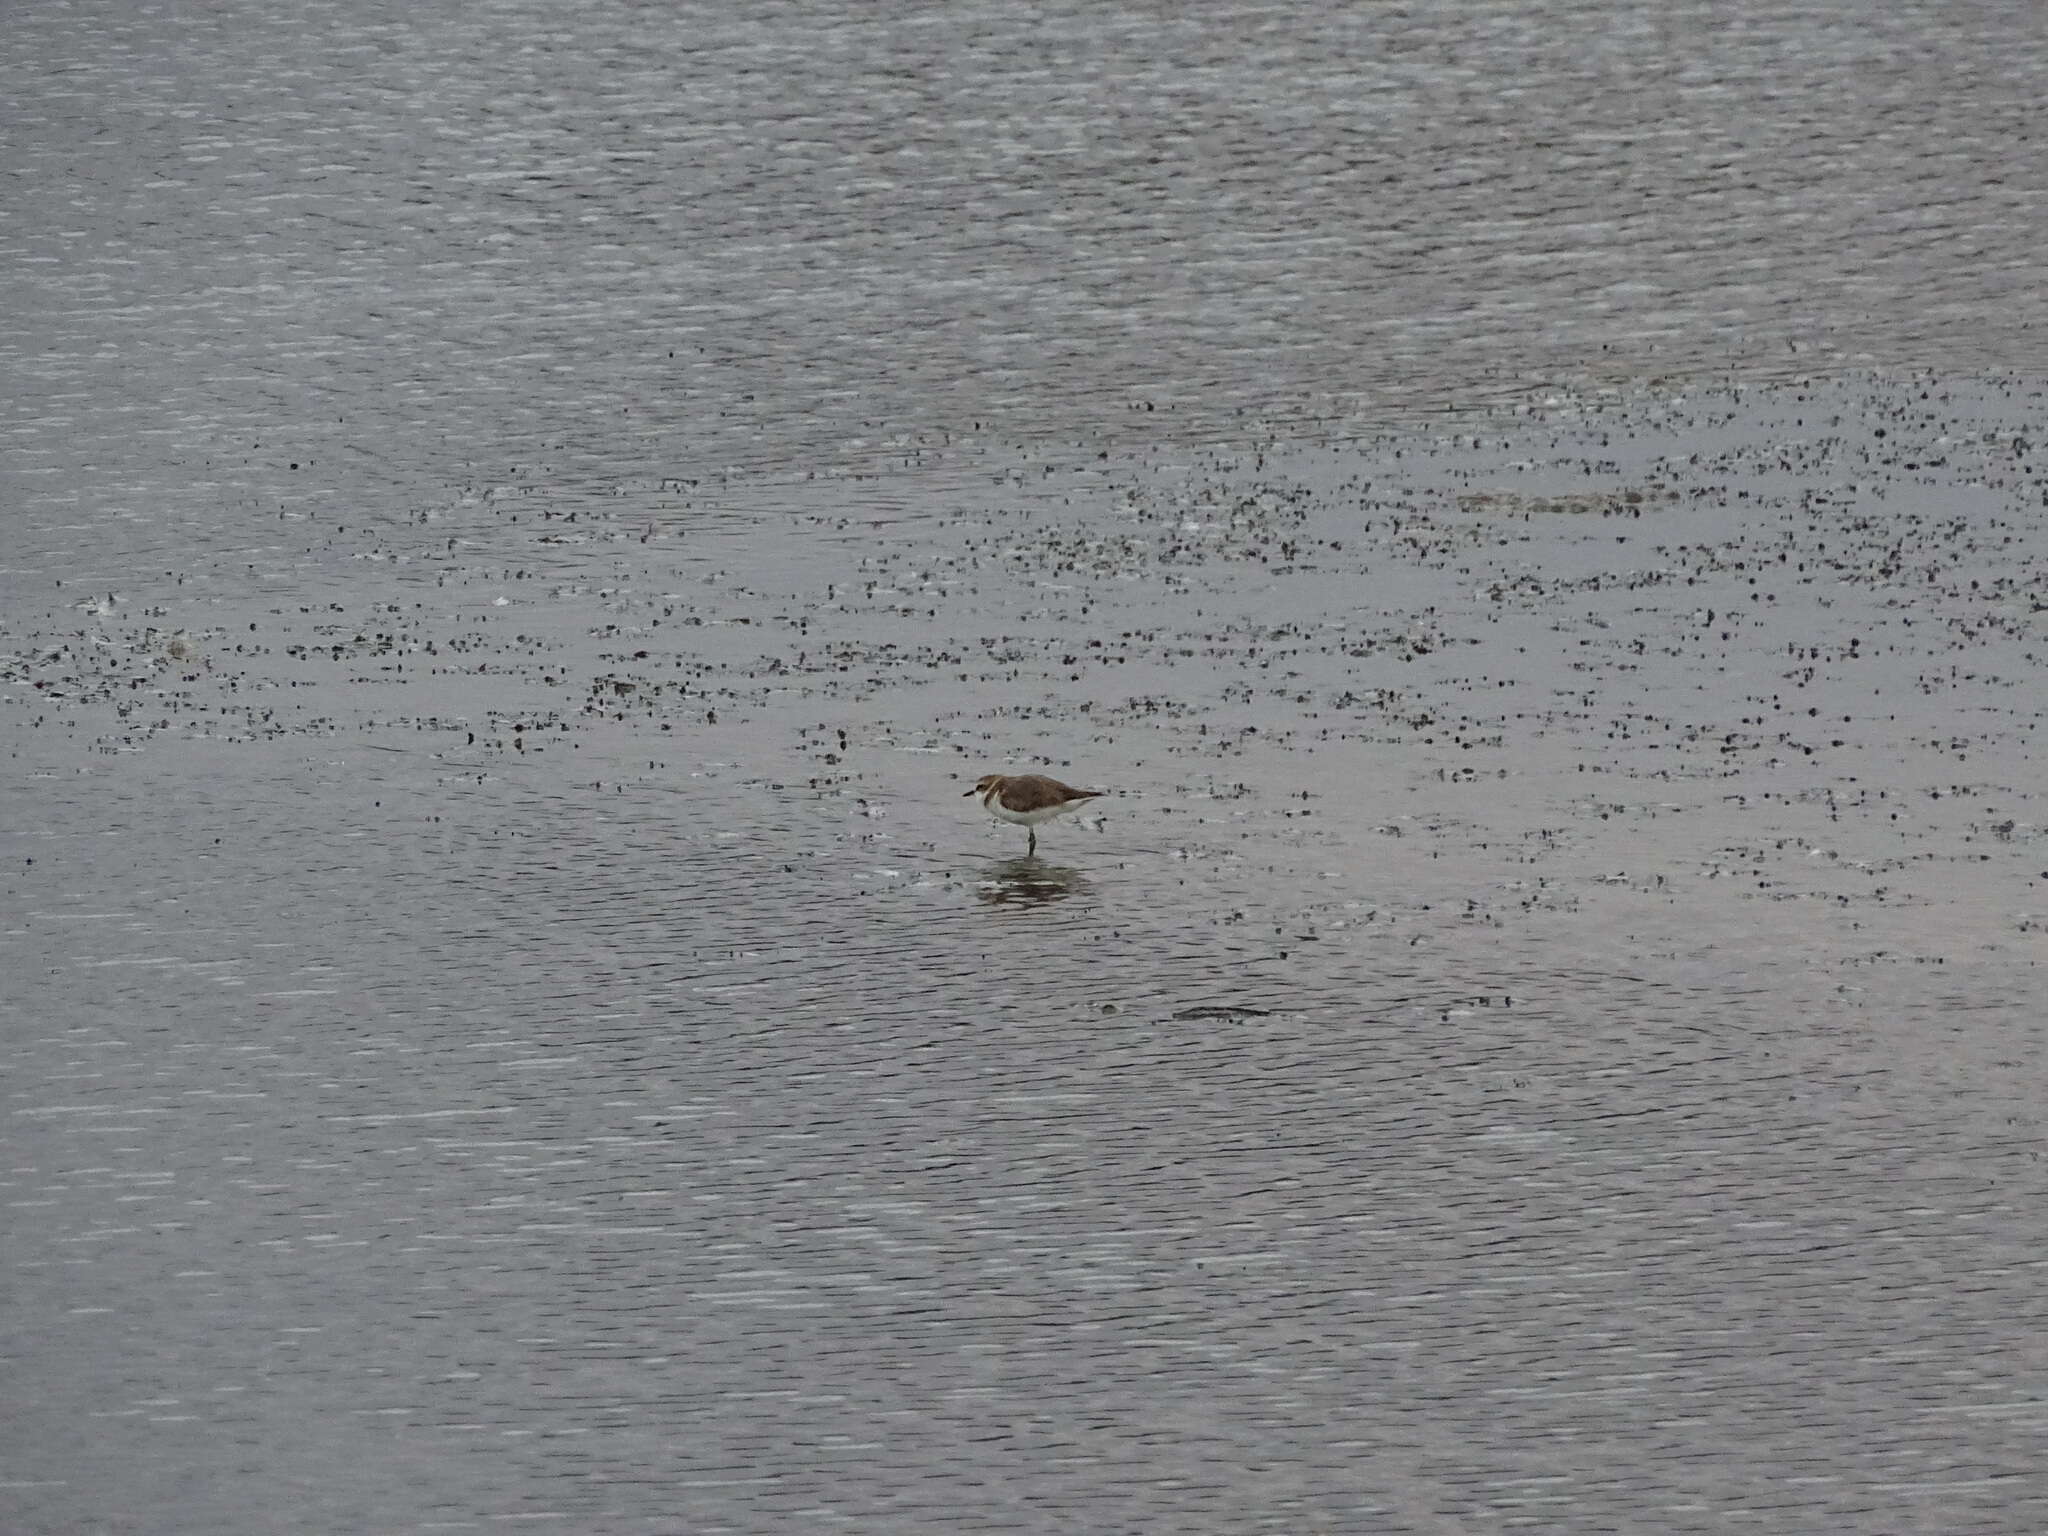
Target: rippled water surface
(520, 525)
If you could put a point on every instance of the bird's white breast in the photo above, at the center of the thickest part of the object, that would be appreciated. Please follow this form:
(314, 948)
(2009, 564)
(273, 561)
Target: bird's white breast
(1037, 818)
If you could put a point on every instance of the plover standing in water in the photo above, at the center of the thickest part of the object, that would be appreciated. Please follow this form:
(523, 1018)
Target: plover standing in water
(1027, 799)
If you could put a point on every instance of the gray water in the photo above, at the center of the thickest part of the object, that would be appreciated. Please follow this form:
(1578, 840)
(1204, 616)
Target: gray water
(520, 524)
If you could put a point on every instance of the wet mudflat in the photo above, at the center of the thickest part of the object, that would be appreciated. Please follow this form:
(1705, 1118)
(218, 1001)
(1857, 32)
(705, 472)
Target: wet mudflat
(512, 1018)
(517, 526)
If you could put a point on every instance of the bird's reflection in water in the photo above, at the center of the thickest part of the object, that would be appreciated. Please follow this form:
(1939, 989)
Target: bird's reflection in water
(1029, 881)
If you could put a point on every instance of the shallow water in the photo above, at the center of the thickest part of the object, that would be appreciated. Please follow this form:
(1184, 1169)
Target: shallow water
(509, 1016)
(1500, 1053)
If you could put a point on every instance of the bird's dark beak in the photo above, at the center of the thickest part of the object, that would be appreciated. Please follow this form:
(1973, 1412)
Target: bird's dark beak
(963, 797)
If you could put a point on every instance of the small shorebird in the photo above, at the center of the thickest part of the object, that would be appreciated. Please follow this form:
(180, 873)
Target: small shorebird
(1026, 799)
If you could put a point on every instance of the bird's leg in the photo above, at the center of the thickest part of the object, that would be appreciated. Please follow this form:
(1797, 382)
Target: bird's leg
(1033, 833)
